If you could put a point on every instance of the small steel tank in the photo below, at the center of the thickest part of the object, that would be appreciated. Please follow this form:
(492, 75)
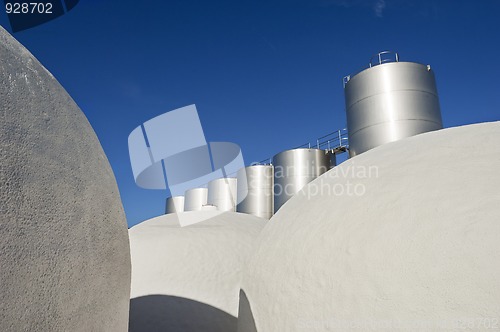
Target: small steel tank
(293, 169)
(195, 199)
(222, 194)
(255, 184)
(174, 204)
(389, 101)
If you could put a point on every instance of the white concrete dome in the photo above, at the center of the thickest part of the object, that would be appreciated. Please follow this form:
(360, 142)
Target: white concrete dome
(188, 278)
(416, 248)
(64, 253)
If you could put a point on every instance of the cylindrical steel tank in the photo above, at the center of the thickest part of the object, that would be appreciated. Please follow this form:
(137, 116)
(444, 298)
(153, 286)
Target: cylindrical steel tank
(174, 204)
(293, 169)
(390, 101)
(195, 199)
(255, 184)
(222, 194)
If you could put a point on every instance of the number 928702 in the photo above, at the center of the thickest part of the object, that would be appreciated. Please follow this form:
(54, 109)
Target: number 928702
(28, 8)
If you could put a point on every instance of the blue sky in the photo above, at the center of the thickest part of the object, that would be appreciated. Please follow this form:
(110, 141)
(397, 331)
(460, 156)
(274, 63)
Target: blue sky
(264, 74)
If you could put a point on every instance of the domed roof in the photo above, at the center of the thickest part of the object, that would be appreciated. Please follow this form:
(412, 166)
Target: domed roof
(188, 278)
(64, 256)
(406, 233)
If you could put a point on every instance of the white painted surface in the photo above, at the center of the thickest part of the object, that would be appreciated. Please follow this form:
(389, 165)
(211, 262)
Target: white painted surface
(420, 246)
(64, 253)
(201, 263)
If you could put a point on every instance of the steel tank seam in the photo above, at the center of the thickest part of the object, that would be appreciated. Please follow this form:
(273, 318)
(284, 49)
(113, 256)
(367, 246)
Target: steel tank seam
(390, 91)
(379, 123)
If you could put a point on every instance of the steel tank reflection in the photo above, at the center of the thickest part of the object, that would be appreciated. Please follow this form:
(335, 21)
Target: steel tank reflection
(174, 204)
(293, 169)
(255, 190)
(222, 194)
(389, 101)
(195, 199)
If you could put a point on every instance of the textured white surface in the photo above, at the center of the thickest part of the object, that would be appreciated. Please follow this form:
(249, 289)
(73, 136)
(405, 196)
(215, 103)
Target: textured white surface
(421, 246)
(200, 262)
(64, 254)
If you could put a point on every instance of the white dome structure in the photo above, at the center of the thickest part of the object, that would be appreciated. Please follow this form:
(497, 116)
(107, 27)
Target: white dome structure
(404, 236)
(64, 253)
(188, 278)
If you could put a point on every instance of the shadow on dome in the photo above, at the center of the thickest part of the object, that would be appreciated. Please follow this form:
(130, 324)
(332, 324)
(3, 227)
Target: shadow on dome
(177, 314)
(246, 322)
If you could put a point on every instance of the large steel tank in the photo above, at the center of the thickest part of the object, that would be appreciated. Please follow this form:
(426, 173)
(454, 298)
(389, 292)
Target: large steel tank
(222, 194)
(293, 169)
(195, 199)
(389, 101)
(174, 204)
(255, 183)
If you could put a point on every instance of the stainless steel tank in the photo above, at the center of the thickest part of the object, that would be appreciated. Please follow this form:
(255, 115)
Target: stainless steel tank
(293, 169)
(195, 199)
(222, 194)
(174, 204)
(389, 101)
(255, 184)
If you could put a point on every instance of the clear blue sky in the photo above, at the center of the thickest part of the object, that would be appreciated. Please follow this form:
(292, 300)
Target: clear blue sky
(264, 74)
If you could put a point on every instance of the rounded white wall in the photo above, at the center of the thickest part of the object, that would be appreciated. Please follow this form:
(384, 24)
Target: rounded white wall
(64, 258)
(188, 278)
(406, 233)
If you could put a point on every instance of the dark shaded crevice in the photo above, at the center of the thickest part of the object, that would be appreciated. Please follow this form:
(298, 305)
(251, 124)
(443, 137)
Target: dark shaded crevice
(246, 322)
(164, 313)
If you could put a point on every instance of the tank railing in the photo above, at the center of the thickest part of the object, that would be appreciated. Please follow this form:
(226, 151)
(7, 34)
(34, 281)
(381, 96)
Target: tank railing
(346, 80)
(267, 161)
(331, 141)
(381, 60)
(335, 142)
(377, 56)
(303, 146)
